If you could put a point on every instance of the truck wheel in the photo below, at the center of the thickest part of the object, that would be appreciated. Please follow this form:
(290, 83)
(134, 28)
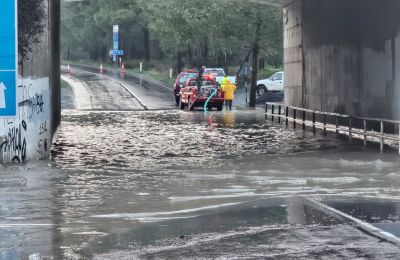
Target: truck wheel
(181, 105)
(261, 90)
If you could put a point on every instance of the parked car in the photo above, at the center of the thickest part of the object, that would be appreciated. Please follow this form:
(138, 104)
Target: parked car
(218, 74)
(180, 81)
(275, 84)
(191, 97)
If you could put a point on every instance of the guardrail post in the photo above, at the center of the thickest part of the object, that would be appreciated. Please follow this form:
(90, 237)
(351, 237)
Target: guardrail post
(287, 115)
(266, 109)
(350, 130)
(382, 140)
(313, 122)
(294, 117)
(279, 111)
(1, 150)
(399, 138)
(273, 111)
(324, 123)
(365, 132)
(337, 125)
(304, 120)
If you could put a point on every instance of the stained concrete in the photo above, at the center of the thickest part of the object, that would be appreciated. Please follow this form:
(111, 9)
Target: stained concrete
(341, 56)
(28, 135)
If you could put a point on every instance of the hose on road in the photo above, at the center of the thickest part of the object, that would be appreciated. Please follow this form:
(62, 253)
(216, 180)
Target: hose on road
(208, 100)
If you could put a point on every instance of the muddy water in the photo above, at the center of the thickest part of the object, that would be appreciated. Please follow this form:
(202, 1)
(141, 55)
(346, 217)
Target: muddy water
(114, 171)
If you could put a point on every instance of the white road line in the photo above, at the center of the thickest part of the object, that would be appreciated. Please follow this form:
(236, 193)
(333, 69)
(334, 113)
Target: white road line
(25, 225)
(367, 227)
(118, 82)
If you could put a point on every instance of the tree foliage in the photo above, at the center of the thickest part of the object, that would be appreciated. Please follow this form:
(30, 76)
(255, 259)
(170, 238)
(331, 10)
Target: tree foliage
(192, 32)
(30, 25)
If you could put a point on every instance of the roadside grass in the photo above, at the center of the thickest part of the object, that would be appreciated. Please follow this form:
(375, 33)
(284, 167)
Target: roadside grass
(268, 72)
(160, 69)
(157, 70)
(65, 84)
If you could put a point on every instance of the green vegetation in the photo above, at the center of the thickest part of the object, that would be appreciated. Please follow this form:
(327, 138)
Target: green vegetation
(175, 33)
(64, 84)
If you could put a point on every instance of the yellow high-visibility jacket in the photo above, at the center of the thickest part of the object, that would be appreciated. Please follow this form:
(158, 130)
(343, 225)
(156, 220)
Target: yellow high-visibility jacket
(224, 81)
(228, 89)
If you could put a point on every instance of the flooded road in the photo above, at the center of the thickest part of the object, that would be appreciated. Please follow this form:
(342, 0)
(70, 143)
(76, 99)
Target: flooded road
(170, 184)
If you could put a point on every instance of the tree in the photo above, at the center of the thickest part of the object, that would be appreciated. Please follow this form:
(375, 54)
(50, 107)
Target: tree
(207, 32)
(255, 27)
(30, 25)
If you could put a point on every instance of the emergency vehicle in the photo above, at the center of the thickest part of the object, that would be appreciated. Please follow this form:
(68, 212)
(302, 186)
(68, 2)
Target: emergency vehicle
(191, 96)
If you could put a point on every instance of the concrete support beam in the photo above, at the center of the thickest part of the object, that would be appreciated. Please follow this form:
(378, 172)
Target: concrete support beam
(342, 56)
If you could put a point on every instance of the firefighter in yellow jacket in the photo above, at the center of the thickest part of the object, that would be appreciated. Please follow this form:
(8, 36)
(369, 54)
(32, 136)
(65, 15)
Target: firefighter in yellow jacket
(228, 89)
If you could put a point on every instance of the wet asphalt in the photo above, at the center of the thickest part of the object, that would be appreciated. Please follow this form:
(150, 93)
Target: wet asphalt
(132, 177)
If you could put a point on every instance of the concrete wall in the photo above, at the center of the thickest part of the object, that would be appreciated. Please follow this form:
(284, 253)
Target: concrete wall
(349, 61)
(29, 136)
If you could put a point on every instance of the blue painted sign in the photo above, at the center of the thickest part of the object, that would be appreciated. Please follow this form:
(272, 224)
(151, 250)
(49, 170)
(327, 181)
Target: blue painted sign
(8, 58)
(115, 37)
(118, 52)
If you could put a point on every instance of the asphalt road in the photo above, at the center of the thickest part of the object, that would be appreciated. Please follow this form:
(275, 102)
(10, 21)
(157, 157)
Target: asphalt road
(112, 90)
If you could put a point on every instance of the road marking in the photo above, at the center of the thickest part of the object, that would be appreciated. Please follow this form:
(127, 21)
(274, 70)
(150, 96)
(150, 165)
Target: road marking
(364, 226)
(118, 82)
(25, 225)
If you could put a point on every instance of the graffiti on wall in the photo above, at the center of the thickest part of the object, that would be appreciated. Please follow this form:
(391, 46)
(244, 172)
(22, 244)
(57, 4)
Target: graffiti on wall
(27, 137)
(42, 147)
(14, 144)
(33, 101)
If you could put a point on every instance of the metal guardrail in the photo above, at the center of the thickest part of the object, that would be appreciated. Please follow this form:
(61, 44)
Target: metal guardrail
(300, 116)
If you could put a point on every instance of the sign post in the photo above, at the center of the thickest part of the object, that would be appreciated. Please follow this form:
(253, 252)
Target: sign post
(8, 58)
(115, 42)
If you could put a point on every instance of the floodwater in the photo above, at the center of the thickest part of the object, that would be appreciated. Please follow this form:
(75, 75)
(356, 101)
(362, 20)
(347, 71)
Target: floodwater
(113, 172)
(170, 184)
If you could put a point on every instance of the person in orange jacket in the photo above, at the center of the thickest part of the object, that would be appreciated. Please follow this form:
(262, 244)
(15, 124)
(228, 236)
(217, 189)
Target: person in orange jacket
(228, 89)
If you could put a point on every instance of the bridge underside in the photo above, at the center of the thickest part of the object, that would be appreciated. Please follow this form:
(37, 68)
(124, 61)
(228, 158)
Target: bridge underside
(342, 56)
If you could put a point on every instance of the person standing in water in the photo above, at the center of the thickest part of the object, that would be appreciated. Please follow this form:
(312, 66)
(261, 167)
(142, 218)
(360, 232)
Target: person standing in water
(228, 89)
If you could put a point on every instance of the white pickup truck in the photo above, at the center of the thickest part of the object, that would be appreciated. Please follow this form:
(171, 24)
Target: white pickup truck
(219, 74)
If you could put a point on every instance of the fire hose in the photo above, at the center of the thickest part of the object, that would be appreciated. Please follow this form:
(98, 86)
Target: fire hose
(208, 100)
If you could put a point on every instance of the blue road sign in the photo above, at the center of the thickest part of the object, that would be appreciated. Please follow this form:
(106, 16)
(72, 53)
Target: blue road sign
(115, 45)
(8, 58)
(115, 37)
(118, 52)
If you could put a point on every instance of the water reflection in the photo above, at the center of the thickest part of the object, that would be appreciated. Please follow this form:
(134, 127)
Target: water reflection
(28, 210)
(124, 170)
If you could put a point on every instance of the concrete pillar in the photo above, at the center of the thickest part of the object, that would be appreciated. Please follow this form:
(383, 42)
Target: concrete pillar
(342, 56)
(55, 64)
(29, 135)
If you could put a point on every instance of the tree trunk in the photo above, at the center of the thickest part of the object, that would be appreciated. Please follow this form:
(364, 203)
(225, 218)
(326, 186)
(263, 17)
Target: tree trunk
(146, 42)
(204, 49)
(254, 72)
(179, 61)
(262, 64)
(226, 68)
(190, 55)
